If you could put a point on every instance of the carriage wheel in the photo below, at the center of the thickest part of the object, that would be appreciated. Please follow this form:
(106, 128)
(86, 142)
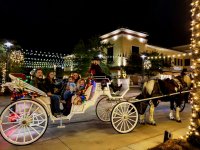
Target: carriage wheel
(104, 108)
(182, 106)
(124, 117)
(23, 122)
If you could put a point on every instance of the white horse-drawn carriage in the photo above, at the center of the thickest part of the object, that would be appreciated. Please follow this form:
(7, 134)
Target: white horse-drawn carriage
(24, 121)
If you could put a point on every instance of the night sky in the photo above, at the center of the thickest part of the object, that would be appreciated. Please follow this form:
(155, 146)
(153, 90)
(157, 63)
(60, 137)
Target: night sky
(59, 25)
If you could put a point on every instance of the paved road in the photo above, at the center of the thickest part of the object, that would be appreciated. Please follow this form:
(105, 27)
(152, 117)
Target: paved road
(87, 132)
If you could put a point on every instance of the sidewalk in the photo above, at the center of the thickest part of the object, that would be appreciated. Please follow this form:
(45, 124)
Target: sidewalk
(153, 141)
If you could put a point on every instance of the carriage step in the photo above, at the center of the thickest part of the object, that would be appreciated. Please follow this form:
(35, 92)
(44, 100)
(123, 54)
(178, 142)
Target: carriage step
(61, 124)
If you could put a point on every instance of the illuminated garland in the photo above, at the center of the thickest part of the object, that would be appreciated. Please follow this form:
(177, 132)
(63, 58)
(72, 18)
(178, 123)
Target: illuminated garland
(17, 56)
(147, 64)
(193, 136)
(44, 59)
(3, 76)
(170, 56)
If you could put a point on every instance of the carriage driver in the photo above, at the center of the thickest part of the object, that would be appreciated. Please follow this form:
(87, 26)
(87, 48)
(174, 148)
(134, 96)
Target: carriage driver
(39, 82)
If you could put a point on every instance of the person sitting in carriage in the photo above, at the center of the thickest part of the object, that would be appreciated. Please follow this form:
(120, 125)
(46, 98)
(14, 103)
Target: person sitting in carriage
(39, 82)
(79, 97)
(70, 89)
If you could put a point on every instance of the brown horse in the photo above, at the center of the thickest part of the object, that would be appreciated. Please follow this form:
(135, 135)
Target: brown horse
(157, 87)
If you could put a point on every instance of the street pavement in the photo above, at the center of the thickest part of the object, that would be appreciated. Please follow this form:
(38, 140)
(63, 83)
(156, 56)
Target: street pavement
(86, 131)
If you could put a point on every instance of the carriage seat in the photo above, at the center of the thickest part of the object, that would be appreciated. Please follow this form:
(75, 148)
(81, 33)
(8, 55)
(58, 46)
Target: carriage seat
(101, 78)
(124, 89)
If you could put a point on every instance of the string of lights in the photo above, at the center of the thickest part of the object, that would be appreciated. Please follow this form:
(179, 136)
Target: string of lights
(193, 135)
(44, 59)
(170, 56)
(3, 76)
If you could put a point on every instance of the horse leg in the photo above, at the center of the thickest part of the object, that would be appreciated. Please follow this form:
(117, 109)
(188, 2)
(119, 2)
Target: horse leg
(142, 120)
(178, 119)
(178, 103)
(171, 115)
(141, 107)
(151, 113)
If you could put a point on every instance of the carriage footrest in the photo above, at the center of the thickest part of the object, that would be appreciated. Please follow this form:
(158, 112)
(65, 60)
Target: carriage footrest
(61, 124)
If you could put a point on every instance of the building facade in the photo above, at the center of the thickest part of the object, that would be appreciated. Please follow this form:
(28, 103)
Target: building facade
(126, 42)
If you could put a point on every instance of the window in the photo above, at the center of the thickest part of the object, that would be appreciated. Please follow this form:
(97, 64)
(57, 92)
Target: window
(110, 55)
(135, 50)
(187, 62)
(181, 62)
(175, 62)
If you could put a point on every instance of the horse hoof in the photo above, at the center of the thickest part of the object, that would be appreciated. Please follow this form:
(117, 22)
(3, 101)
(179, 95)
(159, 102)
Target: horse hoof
(171, 118)
(178, 121)
(142, 123)
(152, 123)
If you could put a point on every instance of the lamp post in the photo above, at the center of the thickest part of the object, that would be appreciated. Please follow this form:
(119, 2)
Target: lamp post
(7, 45)
(143, 57)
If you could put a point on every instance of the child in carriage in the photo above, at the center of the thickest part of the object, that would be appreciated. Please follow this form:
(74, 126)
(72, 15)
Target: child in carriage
(79, 98)
(70, 89)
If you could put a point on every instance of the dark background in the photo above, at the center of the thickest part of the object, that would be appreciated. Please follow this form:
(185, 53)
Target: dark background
(59, 25)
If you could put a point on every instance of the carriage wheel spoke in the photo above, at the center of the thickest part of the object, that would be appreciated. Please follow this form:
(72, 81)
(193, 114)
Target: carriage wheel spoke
(24, 134)
(29, 111)
(132, 113)
(14, 131)
(20, 108)
(34, 111)
(18, 134)
(130, 110)
(131, 119)
(14, 112)
(35, 130)
(40, 126)
(12, 127)
(103, 114)
(128, 122)
(29, 133)
(122, 125)
(119, 123)
(127, 125)
(119, 111)
(127, 108)
(120, 119)
(9, 122)
(116, 113)
(24, 110)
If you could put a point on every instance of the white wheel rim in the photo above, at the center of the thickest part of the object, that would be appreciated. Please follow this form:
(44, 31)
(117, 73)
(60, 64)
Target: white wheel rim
(124, 117)
(104, 109)
(23, 122)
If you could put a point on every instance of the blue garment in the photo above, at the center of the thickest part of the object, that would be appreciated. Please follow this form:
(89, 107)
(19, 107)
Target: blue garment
(68, 94)
(55, 104)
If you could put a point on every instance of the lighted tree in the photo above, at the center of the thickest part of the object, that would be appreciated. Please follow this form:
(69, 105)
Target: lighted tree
(193, 136)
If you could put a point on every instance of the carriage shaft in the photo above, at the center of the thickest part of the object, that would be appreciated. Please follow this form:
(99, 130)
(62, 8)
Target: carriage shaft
(132, 100)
